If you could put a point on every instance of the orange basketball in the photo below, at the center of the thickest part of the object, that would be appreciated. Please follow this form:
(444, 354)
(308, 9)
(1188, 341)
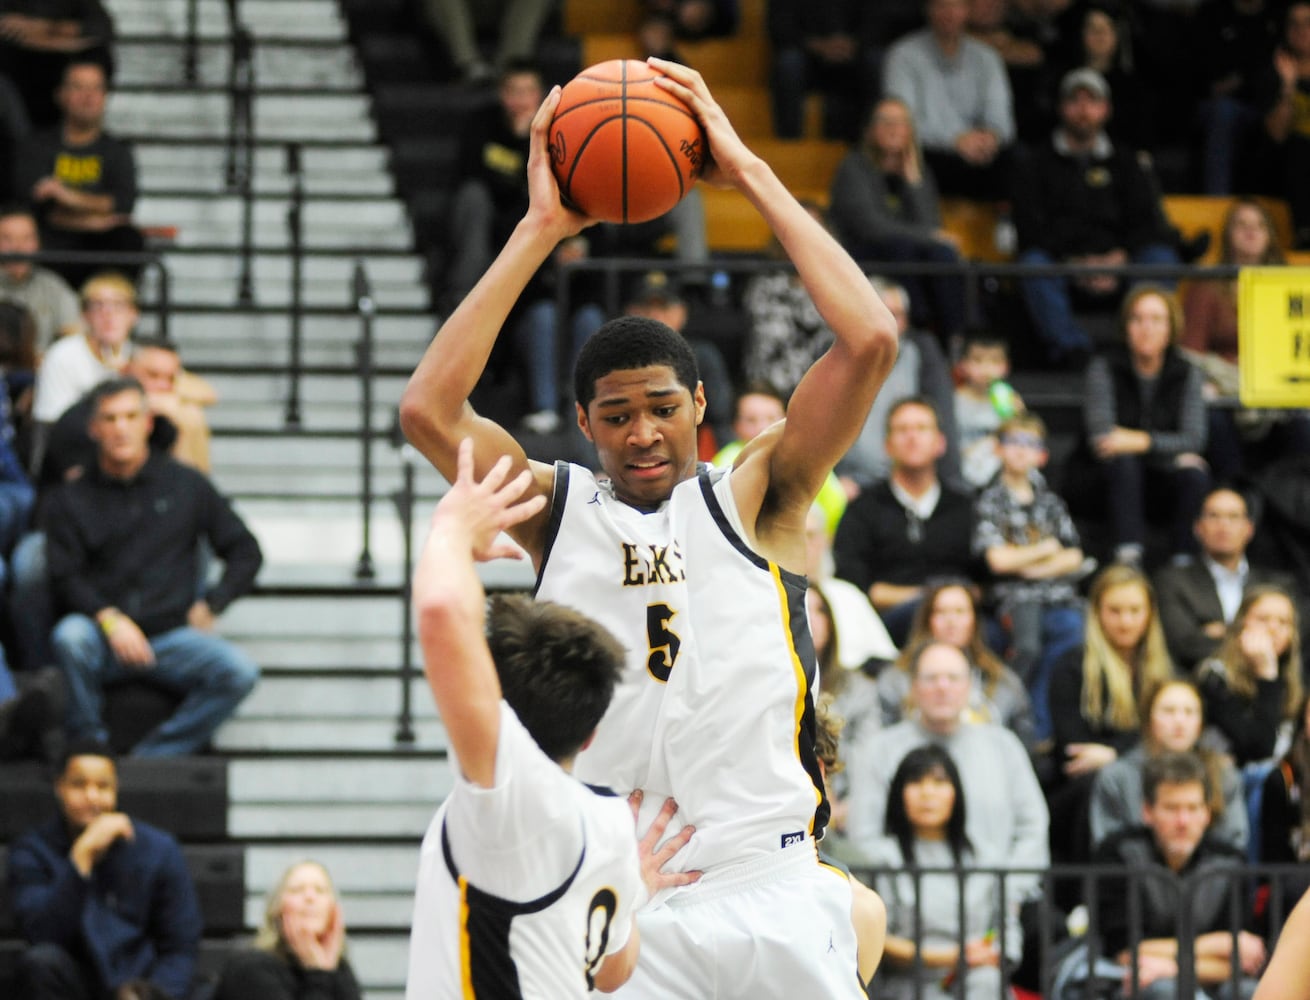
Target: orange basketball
(623, 149)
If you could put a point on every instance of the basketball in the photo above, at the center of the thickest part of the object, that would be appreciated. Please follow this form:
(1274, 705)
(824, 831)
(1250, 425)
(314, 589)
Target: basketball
(623, 149)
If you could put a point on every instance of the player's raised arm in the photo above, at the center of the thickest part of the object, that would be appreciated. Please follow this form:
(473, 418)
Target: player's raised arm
(450, 604)
(434, 411)
(829, 406)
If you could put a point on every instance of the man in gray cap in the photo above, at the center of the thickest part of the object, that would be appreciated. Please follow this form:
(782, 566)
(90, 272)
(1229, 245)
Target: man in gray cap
(1080, 199)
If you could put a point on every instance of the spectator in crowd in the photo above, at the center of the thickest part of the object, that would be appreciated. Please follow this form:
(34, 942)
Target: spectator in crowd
(1019, 33)
(920, 370)
(827, 45)
(906, 529)
(759, 405)
(1284, 826)
(1144, 417)
(1209, 340)
(1096, 695)
(43, 292)
(926, 821)
(176, 395)
(1082, 199)
(104, 901)
(17, 495)
(1104, 44)
(31, 714)
(949, 613)
(959, 96)
(868, 914)
(39, 37)
(982, 400)
(1175, 787)
(883, 207)
(1285, 103)
(1232, 43)
(81, 181)
(14, 127)
(461, 24)
(127, 588)
(1172, 723)
(1199, 598)
(1252, 684)
(1024, 532)
(1007, 819)
(300, 949)
(491, 193)
(665, 22)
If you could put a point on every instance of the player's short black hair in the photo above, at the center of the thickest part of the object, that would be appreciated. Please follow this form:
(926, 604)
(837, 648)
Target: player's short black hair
(557, 668)
(1173, 768)
(632, 342)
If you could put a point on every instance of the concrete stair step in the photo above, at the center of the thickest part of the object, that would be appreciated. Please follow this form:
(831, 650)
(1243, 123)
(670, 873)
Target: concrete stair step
(187, 115)
(327, 223)
(270, 157)
(239, 735)
(196, 329)
(315, 416)
(316, 19)
(216, 293)
(344, 391)
(162, 63)
(393, 269)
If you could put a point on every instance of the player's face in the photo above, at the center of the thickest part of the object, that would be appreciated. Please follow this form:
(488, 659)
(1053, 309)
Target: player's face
(87, 788)
(1176, 718)
(18, 235)
(952, 620)
(308, 893)
(121, 428)
(643, 423)
(755, 412)
(1178, 817)
(1124, 614)
(1224, 527)
(929, 802)
(1273, 613)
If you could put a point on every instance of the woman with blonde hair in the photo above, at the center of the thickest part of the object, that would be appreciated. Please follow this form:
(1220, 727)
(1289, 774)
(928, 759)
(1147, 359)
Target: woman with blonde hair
(1145, 420)
(949, 613)
(1252, 683)
(1096, 694)
(299, 951)
(883, 206)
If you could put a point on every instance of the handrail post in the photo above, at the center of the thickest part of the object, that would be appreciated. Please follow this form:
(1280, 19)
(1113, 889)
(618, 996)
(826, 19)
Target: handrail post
(241, 143)
(165, 304)
(294, 229)
(404, 499)
(190, 54)
(364, 304)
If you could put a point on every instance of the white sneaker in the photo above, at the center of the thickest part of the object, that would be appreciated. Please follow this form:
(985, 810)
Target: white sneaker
(542, 422)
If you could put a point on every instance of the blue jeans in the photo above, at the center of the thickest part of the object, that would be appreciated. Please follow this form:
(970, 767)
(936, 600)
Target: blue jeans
(537, 337)
(1226, 126)
(1177, 490)
(213, 674)
(1051, 308)
(1039, 635)
(16, 503)
(31, 604)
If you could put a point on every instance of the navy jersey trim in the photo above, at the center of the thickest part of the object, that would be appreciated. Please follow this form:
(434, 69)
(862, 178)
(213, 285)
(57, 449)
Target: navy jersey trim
(492, 971)
(558, 498)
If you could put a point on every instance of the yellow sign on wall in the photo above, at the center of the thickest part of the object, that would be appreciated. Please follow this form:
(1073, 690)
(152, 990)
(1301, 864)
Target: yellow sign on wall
(1273, 336)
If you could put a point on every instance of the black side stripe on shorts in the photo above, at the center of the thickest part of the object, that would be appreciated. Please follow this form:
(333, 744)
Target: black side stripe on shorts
(492, 972)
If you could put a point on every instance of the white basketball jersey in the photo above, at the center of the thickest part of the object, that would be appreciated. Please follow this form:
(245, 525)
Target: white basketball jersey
(524, 887)
(715, 704)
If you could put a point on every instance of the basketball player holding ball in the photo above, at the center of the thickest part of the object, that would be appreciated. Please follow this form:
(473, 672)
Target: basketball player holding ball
(699, 575)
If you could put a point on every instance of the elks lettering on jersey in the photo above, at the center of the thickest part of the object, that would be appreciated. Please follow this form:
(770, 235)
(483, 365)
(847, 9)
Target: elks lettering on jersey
(651, 564)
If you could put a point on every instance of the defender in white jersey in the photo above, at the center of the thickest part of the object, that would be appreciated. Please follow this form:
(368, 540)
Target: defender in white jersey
(528, 880)
(700, 578)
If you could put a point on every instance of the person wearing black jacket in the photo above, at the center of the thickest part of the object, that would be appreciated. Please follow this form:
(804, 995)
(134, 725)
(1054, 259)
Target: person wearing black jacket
(122, 542)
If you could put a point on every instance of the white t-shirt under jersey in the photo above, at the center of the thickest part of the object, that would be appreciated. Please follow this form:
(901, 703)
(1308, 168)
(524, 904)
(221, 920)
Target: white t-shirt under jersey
(530, 882)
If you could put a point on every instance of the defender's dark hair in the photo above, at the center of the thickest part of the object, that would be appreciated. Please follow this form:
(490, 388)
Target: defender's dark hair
(557, 668)
(918, 764)
(632, 342)
(1173, 768)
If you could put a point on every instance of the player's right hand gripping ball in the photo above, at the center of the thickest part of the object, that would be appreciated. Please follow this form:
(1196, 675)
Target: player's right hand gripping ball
(622, 148)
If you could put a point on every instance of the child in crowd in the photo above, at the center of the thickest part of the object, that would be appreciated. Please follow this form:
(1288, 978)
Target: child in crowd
(982, 400)
(1024, 531)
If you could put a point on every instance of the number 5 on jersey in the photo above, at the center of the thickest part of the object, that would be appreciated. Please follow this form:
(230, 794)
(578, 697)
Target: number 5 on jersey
(663, 641)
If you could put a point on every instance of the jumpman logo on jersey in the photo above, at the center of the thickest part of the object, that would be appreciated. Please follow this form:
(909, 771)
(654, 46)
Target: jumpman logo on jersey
(595, 498)
(831, 947)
